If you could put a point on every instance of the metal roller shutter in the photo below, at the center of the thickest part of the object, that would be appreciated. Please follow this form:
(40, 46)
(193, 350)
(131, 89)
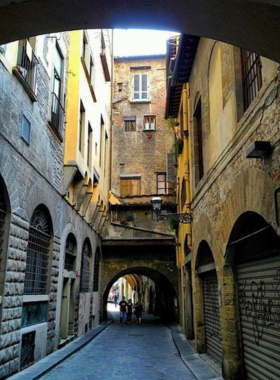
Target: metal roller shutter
(259, 303)
(212, 316)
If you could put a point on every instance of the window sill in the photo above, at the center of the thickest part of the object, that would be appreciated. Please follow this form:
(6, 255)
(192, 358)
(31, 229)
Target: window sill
(140, 101)
(36, 298)
(149, 130)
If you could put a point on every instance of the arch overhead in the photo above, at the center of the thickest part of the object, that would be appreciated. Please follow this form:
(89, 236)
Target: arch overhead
(164, 287)
(253, 25)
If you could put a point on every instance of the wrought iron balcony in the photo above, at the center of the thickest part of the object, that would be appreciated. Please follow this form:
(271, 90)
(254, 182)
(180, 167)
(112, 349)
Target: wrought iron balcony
(26, 70)
(57, 114)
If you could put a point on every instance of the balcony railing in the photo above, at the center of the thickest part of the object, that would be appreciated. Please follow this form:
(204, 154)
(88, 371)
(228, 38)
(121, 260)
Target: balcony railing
(57, 114)
(26, 70)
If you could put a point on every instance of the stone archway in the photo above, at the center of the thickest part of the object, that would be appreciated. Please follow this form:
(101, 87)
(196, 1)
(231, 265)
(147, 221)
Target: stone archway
(165, 284)
(253, 25)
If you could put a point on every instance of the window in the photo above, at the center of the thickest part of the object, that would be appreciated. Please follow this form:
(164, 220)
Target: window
(85, 269)
(251, 76)
(163, 187)
(130, 186)
(57, 110)
(81, 128)
(70, 253)
(130, 123)
(89, 146)
(25, 129)
(36, 273)
(149, 122)
(198, 142)
(96, 271)
(123, 215)
(140, 87)
(26, 68)
(101, 146)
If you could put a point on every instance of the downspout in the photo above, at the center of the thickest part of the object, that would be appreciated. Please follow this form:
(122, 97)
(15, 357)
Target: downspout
(187, 162)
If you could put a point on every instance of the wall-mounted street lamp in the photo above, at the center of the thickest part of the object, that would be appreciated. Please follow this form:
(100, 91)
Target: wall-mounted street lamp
(184, 218)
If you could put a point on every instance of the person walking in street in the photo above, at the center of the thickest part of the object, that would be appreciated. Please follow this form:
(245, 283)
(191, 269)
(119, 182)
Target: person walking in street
(129, 311)
(138, 312)
(116, 297)
(123, 309)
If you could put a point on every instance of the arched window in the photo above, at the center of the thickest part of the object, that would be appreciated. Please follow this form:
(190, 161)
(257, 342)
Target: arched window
(70, 253)
(85, 270)
(96, 271)
(36, 275)
(4, 225)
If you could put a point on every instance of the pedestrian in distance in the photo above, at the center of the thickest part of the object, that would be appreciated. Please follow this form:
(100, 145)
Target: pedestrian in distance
(129, 311)
(123, 308)
(138, 309)
(115, 298)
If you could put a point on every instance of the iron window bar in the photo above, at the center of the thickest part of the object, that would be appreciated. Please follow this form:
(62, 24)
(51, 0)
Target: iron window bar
(57, 114)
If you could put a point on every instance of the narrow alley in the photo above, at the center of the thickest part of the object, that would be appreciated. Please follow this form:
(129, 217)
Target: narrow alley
(149, 351)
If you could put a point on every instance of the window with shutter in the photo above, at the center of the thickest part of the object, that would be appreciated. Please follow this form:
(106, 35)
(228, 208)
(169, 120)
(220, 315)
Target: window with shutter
(140, 87)
(130, 186)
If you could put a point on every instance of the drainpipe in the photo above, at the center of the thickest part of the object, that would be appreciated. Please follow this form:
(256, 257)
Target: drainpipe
(187, 162)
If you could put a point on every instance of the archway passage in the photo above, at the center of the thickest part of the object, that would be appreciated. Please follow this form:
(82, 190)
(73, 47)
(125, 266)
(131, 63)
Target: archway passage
(253, 25)
(159, 299)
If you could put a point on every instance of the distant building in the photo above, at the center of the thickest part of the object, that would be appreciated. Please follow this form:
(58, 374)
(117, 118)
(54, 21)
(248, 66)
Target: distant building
(141, 142)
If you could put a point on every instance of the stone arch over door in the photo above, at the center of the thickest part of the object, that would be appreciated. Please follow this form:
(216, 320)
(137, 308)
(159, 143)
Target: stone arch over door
(259, 19)
(164, 283)
(253, 261)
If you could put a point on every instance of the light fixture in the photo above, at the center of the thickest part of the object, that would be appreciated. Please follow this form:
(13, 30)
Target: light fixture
(258, 149)
(184, 218)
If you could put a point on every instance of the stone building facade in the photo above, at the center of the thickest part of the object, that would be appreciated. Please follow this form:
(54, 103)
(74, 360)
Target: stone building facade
(136, 243)
(230, 255)
(50, 248)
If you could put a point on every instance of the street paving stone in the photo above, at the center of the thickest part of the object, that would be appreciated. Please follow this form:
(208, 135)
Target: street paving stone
(152, 351)
(131, 352)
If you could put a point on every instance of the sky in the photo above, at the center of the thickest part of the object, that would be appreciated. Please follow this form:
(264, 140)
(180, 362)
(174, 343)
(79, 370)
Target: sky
(129, 42)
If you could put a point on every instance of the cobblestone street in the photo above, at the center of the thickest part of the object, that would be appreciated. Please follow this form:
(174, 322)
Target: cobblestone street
(134, 352)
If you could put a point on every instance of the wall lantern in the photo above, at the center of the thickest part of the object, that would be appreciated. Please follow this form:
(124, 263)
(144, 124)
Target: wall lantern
(184, 218)
(258, 149)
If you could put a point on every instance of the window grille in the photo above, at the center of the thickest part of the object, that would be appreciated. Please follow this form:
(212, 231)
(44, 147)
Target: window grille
(251, 76)
(2, 224)
(85, 271)
(27, 64)
(96, 271)
(37, 255)
(70, 255)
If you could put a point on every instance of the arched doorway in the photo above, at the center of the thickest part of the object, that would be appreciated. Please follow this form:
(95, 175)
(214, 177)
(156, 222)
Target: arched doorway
(69, 276)
(206, 270)
(165, 298)
(254, 251)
